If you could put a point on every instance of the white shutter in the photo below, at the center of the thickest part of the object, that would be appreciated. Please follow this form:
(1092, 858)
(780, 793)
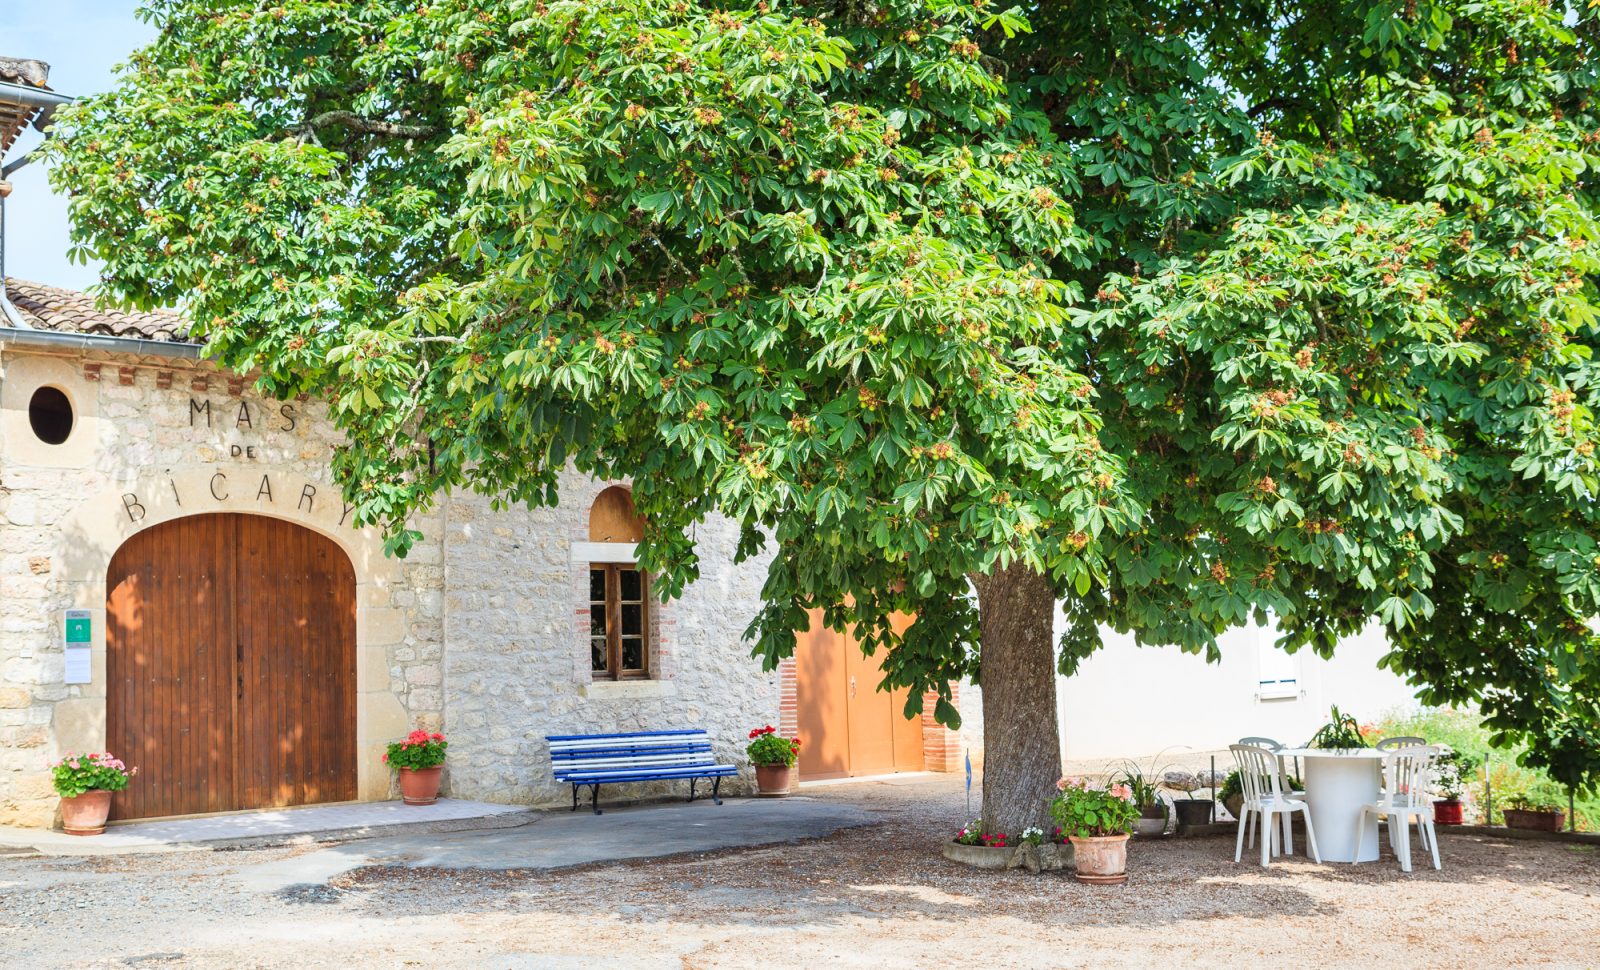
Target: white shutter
(1279, 671)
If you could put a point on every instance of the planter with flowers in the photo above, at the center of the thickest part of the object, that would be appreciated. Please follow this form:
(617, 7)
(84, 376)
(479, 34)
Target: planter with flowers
(1097, 821)
(1453, 768)
(420, 760)
(997, 850)
(1537, 810)
(774, 757)
(85, 783)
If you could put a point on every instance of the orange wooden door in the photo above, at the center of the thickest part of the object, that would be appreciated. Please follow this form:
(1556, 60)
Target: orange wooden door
(230, 666)
(824, 723)
(908, 753)
(871, 720)
(848, 726)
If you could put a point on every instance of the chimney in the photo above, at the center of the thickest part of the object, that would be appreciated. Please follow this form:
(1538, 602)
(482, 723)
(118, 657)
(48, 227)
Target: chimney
(24, 101)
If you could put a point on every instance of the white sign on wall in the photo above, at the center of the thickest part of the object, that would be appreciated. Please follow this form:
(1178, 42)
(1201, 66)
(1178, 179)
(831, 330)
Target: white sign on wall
(78, 628)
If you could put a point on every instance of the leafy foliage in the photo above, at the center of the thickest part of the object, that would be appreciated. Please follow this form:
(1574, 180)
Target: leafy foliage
(1342, 731)
(768, 748)
(1206, 312)
(1084, 811)
(98, 771)
(417, 751)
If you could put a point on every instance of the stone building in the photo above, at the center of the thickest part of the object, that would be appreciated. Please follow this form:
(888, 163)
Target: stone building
(180, 583)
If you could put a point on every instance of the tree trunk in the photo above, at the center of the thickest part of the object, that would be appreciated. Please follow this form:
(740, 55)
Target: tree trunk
(1021, 743)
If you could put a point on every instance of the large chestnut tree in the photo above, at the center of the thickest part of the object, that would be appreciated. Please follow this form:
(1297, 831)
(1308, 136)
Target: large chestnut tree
(1184, 316)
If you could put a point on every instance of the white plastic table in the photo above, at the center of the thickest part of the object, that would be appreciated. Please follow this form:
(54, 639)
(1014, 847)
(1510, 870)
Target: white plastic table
(1338, 783)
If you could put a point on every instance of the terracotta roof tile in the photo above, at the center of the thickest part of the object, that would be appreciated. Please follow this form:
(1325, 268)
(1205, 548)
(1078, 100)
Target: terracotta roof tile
(68, 311)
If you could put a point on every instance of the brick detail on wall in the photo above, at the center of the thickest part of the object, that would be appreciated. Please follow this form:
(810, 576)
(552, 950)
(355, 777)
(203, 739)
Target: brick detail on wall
(788, 698)
(941, 747)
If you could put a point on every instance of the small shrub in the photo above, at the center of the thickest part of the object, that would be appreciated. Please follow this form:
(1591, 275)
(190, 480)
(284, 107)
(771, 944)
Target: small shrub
(76, 774)
(769, 750)
(1085, 812)
(418, 751)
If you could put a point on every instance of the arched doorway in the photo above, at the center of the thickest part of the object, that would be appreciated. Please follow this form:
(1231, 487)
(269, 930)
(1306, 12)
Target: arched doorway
(231, 666)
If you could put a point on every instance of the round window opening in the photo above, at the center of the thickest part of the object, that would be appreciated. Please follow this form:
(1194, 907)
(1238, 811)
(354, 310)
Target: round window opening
(50, 414)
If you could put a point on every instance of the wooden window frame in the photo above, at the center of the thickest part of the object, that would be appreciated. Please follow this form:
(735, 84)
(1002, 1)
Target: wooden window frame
(613, 614)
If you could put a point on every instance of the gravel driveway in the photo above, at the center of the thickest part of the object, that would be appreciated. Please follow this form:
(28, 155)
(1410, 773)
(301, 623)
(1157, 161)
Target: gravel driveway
(876, 897)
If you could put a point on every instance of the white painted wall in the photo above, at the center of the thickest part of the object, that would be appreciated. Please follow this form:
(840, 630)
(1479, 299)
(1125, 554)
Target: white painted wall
(1131, 701)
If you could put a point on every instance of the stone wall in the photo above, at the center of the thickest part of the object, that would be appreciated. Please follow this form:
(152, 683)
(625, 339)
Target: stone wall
(481, 631)
(517, 649)
(154, 439)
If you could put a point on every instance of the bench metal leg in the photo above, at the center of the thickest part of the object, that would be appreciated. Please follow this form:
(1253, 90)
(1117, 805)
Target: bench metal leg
(594, 798)
(574, 798)
(691, 789)
(716, 784)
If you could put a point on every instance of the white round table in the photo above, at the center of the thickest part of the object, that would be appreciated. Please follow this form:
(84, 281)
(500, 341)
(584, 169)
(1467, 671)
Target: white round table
(1338, 783)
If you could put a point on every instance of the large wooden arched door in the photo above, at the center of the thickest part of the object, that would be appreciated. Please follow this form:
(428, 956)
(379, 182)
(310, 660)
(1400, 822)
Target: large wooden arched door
(230, 666)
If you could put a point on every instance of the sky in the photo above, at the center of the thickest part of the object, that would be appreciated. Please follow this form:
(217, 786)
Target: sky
(82, 41)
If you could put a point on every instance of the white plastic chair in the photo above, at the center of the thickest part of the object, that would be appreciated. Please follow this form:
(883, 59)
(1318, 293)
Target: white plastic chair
(1262, 743)
(1407, 773)
(1394, 744)
(1284, 781)
(1260, 771)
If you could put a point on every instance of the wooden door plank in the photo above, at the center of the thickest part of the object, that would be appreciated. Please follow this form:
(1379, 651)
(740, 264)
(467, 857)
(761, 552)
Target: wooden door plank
(167, 701)
(871, 724)
(908, 752)
(821, 689)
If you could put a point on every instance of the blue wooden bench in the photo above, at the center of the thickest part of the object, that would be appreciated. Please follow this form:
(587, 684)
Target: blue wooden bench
(602, 759)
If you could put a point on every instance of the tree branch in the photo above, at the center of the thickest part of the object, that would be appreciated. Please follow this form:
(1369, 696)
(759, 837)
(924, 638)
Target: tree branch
(371, 126)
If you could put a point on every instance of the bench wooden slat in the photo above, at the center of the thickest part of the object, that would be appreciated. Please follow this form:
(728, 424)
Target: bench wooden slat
(596, 759)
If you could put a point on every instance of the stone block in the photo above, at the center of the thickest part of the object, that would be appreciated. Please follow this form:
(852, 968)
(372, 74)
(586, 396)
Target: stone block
(425, 675)
(79, 724)
(379, 625)
(380, 717)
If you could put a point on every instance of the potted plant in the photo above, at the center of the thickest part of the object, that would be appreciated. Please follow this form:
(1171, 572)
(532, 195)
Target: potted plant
(1342, 732)
(1538, 809)
(774, 758)
(1231, 794)
(1453, 769)
(1191, 810)
(1152, 807)
(1097, 821)
(420, 759)
(85, 783)
(998, 850)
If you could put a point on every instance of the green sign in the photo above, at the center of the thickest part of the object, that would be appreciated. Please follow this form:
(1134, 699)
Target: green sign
(78, 627)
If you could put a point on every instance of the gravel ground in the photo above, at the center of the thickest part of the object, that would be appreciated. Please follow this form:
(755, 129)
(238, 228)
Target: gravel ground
(876, 897)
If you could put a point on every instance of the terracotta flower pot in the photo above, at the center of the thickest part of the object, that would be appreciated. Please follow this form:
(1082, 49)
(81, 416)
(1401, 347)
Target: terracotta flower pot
(774, 781)
(1522, 818)
(1447, 811)
(420, 786)
(86, 814)
(1102, 860)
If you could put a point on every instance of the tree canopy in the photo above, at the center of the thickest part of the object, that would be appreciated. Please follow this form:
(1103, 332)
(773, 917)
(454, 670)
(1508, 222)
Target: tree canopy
(1203, 313)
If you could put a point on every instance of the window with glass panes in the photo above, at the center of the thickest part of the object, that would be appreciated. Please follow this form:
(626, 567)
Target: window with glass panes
(619, 637)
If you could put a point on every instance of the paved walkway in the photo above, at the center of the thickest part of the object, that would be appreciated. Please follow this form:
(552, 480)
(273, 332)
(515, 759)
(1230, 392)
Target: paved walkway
(557, 839)
(352, 820)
